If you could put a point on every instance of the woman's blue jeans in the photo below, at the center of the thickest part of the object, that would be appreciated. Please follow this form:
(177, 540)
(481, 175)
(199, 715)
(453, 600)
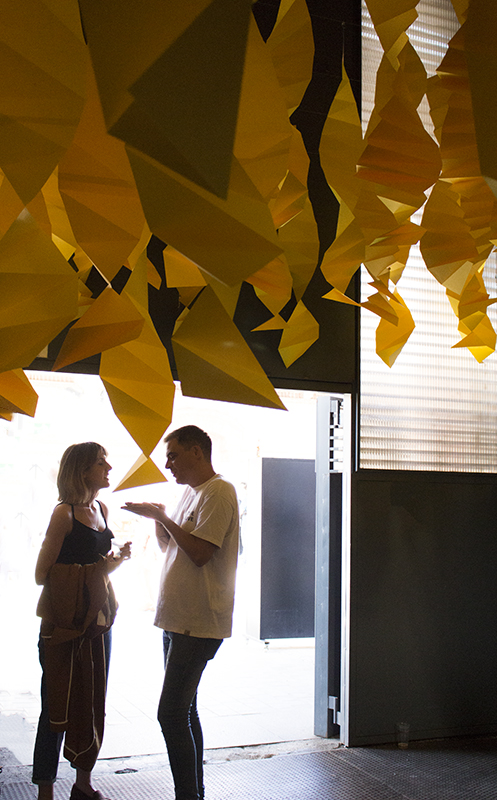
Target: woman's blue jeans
(185, 660)
(48, 743)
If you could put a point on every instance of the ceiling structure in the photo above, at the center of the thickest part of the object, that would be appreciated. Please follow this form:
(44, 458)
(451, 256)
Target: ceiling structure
(211, 154)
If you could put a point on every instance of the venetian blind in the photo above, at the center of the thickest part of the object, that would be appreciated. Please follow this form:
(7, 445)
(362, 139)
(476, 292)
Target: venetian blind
(436, 408)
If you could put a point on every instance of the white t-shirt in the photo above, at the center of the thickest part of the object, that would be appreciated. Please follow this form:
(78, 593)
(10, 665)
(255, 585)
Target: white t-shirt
(198, 601)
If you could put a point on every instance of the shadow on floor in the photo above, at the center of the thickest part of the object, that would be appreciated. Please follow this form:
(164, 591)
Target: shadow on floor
(455, 769)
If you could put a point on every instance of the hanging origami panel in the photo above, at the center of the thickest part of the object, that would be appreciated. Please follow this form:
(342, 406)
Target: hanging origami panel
(213, 359)
(168, 82)
(43, 54)
(38, 293)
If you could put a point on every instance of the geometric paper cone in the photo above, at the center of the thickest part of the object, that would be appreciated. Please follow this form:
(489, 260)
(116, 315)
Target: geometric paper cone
(215, 362)
(143, 424)
(142, 473)
(180, 271)
(43, 59)
(16, 394)
(199, 76)
(340, 297)
(38, 293)
(480, 341)
(201, 379)
(292, 48)
(273, 284)
(300, 333)
(276, 323)
(138, 381)
(99, 192)
(174, 95)
(11, 204)
(300, 241)
(230, 239)
(480, 31)
(111, 320)
(391, 338)
(264, 132)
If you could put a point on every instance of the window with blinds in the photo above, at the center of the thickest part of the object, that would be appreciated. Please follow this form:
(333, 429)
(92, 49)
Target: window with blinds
(436, 408)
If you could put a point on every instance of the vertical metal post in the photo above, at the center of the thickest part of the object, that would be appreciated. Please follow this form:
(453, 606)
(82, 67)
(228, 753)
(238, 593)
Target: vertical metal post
(329, 462)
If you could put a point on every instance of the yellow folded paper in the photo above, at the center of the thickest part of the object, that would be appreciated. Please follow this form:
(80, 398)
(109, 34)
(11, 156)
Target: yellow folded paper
(213, 359)
(98, 190)
(111, 320)
(38, 293)
(143, 473)
(301, 331)
(42, 49)
(139, 383)
(392, 336)
(17, 396)
(172, 92)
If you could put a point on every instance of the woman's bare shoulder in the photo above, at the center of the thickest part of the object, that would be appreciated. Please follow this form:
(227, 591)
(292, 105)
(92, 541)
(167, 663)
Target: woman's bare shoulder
(63, 509)
(62, 513)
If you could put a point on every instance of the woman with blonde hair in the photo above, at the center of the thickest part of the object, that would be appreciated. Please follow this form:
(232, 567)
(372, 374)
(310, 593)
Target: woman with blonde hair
(77, 607)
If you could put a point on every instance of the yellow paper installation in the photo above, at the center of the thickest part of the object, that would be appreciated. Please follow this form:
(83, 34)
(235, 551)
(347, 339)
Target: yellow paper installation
(479, 335)
(273, 284)
(172, 91)
(175, 120)
(291, 46)
(38, 293)
(391, 336)
(42, 46)
(206, 344)
(480, 32)
(98, 190)
(143, 472)
(139, 383)
(382, 181)
(299, 334)
(229, 239)
(17, 396)
(111, 320)
(391, 19)
(396, 165)
(263, 133)
(460, 216)
(299, 238)
(137, 375)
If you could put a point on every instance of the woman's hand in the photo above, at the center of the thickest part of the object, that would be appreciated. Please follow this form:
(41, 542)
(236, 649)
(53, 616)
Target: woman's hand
(125, 551)
(115, 559)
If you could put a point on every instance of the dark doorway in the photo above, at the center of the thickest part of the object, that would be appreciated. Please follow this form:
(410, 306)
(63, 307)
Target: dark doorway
(288, 548)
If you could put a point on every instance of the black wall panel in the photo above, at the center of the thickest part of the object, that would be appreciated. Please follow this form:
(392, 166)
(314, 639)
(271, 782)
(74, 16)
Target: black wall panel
(423, 605)
(288, 547)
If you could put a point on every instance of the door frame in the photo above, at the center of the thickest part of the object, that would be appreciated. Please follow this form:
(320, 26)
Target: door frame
(332, 612)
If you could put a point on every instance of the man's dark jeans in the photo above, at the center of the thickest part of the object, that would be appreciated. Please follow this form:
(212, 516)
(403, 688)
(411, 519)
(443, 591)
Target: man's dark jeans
(185, 659)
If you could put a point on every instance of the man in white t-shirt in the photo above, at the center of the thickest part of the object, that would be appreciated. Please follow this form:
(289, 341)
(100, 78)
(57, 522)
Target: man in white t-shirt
(195, 607)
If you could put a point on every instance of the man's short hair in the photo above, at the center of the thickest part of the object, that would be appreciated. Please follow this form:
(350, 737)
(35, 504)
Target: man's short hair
(189, 435)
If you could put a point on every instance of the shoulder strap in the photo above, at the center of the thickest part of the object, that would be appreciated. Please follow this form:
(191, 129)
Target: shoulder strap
(102, 512)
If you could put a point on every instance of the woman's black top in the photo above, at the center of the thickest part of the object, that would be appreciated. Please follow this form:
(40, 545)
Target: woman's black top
(85, 545)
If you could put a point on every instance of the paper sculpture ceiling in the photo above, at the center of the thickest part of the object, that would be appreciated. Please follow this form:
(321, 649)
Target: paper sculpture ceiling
(184, 125)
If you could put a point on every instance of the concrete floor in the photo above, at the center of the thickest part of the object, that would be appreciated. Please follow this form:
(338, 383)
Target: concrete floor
(250, 694)
(439, 770)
